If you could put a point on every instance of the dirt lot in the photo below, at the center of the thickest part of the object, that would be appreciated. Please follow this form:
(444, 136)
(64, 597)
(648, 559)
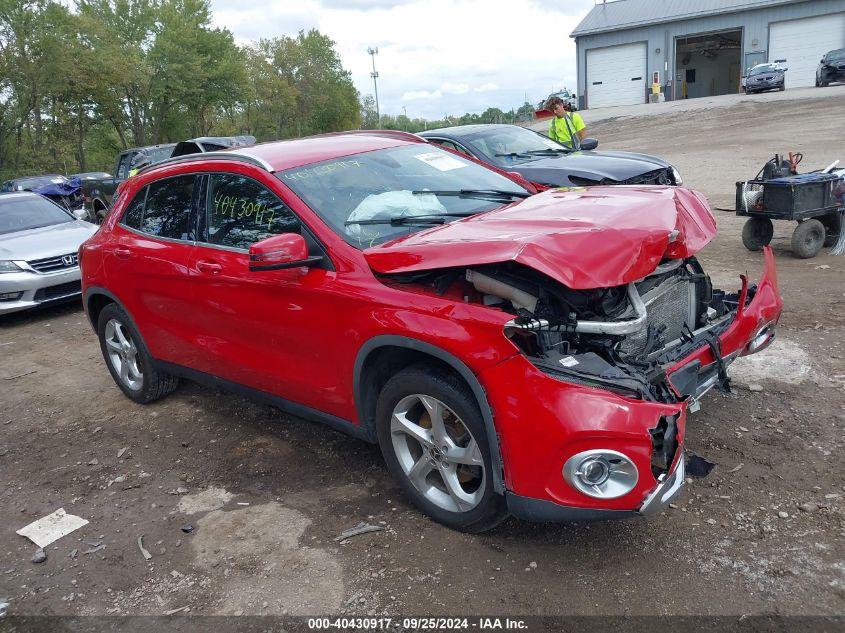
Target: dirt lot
(763, 533)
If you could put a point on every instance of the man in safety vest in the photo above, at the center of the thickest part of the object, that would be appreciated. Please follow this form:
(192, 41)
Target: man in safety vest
(565, 125)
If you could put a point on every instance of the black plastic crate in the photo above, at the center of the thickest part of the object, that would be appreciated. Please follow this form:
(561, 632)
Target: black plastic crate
(791, 197)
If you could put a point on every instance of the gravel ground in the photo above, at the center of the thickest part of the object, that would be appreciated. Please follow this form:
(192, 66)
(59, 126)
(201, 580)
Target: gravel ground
(266, 494)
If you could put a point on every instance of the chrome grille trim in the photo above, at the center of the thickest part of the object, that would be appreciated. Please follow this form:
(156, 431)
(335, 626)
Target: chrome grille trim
(54, 264)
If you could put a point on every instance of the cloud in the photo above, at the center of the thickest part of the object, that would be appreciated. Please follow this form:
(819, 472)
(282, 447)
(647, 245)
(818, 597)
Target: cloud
(443, 56)
(454, 89)
(414, 95)
(362, 5)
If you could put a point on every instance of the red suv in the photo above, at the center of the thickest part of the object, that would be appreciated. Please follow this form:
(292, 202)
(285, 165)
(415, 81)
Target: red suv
(511, 353)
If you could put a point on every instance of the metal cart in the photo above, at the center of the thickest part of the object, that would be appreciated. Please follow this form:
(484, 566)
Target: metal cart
(804, 198)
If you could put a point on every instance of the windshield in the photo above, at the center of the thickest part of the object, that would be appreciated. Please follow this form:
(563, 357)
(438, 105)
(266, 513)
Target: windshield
(21, 213)
(506, 146)
(765, 68)
(361, 196)
(835, 56)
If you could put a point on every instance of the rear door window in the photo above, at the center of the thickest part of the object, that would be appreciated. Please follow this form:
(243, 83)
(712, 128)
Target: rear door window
(241, 211)
(164, 208)
(167, 211)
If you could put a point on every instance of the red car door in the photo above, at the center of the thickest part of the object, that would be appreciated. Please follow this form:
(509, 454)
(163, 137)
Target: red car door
(148, 261)
(270, 330)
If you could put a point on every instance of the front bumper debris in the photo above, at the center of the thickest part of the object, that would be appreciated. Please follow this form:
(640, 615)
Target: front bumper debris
(666, 490)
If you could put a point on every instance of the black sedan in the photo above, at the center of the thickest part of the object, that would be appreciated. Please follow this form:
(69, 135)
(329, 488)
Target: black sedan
(541, 160)
(765, 77)
(831, 68)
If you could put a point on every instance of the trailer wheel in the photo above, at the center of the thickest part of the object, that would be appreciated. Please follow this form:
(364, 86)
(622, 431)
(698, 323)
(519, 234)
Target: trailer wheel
(757, 233)
(832, 227)
(807, 239)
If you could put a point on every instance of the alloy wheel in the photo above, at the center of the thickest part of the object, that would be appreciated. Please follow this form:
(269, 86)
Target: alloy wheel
(123, 354)
(438, 453)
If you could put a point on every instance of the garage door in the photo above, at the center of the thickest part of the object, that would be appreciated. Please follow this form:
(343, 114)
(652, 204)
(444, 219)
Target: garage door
(616, 75)
(802, 43)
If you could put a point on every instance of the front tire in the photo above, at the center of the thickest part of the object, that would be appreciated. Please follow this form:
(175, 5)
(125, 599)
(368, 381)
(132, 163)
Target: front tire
(434, 442)
(130, 363)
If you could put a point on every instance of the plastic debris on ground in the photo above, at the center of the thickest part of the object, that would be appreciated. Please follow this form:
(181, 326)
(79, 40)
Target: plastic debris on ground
(699, 467)
(361, 528)
(52, 527)
(144, 552)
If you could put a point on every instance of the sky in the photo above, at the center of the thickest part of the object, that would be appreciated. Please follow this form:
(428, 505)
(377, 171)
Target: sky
(435, 57)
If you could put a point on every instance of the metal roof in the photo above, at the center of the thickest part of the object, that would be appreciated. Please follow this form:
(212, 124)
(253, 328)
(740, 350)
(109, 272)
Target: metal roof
(626, 14)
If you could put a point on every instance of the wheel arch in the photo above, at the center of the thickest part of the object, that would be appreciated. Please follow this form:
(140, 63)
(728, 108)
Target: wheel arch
(380, 357)
(97, 298)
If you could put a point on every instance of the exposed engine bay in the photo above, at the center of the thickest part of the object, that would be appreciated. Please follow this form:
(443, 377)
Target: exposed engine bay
(621, 338)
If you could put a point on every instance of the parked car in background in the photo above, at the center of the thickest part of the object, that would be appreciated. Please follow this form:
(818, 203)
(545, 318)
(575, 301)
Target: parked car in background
(28, 183)
(100, 192)
(831, 68)
(39, 241)
(509, 352)
(764, 77)
(64, 191)
(545, 162)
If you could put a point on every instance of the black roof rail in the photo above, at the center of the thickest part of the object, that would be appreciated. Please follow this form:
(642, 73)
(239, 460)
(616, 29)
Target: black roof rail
(187, 158)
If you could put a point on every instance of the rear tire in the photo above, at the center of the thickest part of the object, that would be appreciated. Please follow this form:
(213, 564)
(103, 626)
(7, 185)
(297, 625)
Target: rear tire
(757, 233)
(130, 363)
(807, 239)
(434, 442)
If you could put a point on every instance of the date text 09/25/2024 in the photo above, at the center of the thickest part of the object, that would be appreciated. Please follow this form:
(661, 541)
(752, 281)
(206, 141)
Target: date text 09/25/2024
(418, 623)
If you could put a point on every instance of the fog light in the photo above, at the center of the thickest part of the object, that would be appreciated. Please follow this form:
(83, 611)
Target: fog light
(10, 296)
(601, 473)
(594, 471)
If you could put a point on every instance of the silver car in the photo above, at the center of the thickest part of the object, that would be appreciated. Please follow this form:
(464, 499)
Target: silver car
(39, 241)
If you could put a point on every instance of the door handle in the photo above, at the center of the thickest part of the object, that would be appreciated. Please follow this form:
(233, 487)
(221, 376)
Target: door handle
(122, 253)
(209, 267)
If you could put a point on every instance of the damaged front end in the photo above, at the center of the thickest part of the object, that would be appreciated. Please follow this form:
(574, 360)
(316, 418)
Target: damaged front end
(616, 332)
(625, 339)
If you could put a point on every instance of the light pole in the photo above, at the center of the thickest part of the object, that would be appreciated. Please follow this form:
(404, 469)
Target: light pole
(373, 52)
(405, 110)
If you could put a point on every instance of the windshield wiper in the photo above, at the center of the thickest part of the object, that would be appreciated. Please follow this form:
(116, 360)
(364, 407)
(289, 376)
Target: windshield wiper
(477, 193)
(513, 155)
(555, 151)
(402, 220)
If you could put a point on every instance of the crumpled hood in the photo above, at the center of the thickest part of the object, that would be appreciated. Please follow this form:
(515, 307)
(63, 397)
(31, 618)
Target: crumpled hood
(594, 237)
(595, 165)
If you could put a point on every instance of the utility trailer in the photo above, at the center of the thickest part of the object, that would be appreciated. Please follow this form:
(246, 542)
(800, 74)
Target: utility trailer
(809, 199)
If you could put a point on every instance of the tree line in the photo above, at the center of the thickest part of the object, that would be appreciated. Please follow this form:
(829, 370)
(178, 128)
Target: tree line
(80, 83)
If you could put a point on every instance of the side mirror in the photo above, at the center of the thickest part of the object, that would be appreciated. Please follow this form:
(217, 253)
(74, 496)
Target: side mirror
(588, 143)
(287, 250)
